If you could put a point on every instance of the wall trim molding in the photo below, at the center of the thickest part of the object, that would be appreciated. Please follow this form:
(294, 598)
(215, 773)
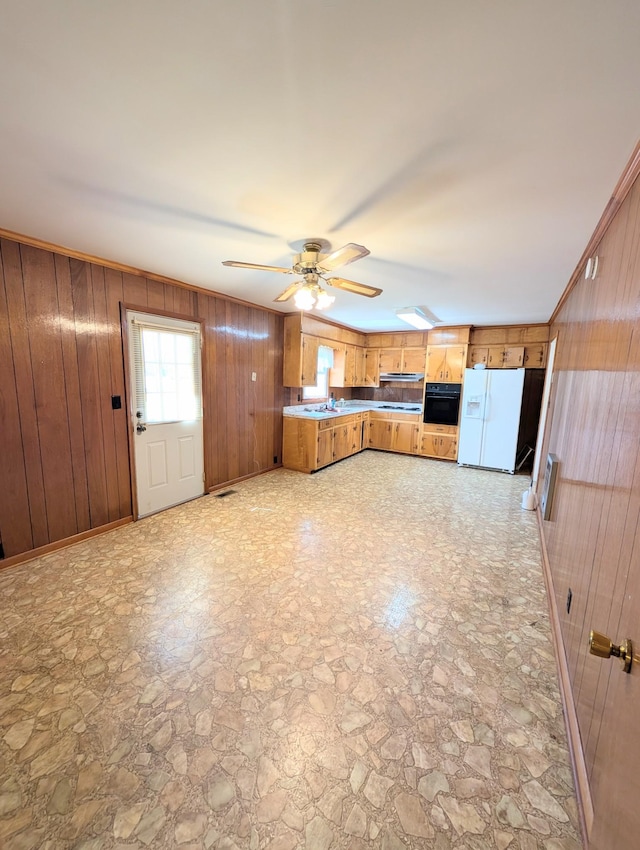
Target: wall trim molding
(122, 267)
(580, 775)
(225, 484)
(629, 175)
(14, 560)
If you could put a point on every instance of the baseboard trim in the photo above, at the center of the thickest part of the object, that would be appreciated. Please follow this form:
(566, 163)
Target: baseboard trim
(224, 484)
(14, 560)
(580, 775)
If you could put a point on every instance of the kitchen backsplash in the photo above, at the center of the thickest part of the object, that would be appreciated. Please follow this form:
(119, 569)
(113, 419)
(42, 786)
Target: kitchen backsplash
(406, 394)
(384, 393)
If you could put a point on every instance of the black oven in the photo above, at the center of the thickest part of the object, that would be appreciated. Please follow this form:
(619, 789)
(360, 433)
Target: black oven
(442, 404)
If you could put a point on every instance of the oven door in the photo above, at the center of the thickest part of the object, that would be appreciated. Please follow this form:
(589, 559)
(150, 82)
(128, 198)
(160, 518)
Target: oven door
(441, 408)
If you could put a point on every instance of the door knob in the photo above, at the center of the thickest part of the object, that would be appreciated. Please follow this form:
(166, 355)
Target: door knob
(140, 427)
(602, 646)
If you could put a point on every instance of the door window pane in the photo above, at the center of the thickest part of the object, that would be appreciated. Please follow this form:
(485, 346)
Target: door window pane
(169, 366)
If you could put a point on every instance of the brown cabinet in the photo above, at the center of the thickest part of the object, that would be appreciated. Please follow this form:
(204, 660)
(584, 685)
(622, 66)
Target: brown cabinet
(446, 363)
(380, 434)
(439, 441)
(414, 360)
(402, 359)
(505, 357)
(390, 359)
(300, 365)
(311, 444)
(349, 366)
(394, 432)
(324, 454)
(372, 367)
(478, 354)
(535, 356)
(405, 437)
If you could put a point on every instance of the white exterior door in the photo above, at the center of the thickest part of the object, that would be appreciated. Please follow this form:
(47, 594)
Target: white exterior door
(165, 410)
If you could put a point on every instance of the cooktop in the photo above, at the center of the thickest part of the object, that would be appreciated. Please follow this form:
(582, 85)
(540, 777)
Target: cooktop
(397, 407)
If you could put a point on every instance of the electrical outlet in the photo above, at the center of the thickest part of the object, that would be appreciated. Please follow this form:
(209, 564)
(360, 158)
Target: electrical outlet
(254, 376)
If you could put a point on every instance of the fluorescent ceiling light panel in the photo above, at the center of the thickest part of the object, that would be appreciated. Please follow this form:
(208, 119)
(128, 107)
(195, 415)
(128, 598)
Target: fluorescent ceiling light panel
(414, 316)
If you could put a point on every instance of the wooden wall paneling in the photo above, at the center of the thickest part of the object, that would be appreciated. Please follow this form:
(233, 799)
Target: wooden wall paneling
(259, 408)
(593, 541)
(222, 436)
(155, 295)
(41, 302)
(185, 300)
(134, 289)
(103, 332)
(15, 524)
(72, 390)
(275, 352)
(169, 297)
(87, 347)
(205, 308)
(47, 371)
(115, 296)
(20, 342)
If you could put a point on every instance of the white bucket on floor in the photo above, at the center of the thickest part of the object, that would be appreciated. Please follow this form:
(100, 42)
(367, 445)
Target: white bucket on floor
(529, 499)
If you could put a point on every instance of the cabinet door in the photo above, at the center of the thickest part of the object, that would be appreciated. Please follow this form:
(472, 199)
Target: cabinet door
(360, 356)
(390, 359)
(325, 447)
(448, 447)
(478, 354)
(372, 367)
(356, 437)
(309, 372)
(513, 357)
(341, 441)
(430, 444)
(380, 434)
(495, 358)
(535, 356)
(405, 437)
(436, 363)
(414, 359)
(455, 364)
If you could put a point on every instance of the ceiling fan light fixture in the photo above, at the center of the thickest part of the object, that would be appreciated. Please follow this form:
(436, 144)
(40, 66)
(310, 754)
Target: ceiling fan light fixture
(324, 300)
(414, 316)
(304, 299)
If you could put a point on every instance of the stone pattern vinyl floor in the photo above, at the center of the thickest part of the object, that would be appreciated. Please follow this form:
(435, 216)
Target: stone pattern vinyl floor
(355, 659)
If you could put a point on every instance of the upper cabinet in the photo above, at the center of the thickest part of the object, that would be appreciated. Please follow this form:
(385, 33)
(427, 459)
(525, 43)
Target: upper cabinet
(402, 359)
(300, 366)
(509, 347)
(446, 363)
(349, 366)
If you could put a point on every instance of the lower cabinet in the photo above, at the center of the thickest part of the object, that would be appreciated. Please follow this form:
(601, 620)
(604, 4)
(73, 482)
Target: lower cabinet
(439, 441)
(388, 432)
(311, 444)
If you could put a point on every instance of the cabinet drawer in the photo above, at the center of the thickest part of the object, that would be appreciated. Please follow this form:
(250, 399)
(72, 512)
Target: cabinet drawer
(323, 424)
(440, 429)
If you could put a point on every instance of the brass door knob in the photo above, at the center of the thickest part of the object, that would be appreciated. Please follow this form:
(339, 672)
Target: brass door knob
(603, 647)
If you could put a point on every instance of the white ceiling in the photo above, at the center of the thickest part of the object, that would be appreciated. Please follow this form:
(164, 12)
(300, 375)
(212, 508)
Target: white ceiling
(470, 145)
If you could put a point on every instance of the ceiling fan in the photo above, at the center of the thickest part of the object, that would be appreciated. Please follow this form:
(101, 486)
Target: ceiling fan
(313, 266)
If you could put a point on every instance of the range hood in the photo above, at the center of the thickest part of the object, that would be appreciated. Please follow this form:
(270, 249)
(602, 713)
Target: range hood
(406, 377)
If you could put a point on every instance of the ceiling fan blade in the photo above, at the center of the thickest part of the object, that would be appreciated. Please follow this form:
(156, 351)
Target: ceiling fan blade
(343, 256)
(238, 265)
(352, 286)
(289, 291)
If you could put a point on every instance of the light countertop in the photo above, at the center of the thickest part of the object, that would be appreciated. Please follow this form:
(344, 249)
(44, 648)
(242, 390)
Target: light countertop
(319, 411)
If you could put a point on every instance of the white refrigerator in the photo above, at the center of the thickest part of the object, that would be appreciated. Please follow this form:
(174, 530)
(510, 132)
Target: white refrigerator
(490, 418)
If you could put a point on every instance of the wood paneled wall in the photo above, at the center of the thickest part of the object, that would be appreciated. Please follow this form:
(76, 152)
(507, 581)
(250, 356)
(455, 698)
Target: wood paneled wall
(65, 451)
(593, 536)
